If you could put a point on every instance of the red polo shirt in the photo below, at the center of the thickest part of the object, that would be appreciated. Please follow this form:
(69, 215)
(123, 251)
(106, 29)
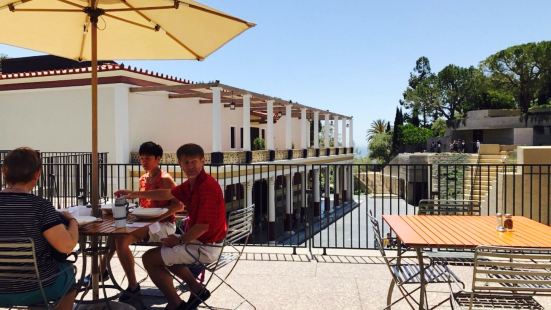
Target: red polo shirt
(205, 205)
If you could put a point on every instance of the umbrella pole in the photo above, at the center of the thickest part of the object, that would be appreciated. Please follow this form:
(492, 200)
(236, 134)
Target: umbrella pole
(95, 165)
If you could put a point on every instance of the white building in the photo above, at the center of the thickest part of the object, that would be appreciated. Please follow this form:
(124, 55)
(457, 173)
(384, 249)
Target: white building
(49, 109)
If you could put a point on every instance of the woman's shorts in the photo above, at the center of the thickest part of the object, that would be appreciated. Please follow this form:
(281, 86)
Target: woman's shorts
(63, 283)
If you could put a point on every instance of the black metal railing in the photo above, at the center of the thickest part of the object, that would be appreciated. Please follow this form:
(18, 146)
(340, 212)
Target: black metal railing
(327, 205)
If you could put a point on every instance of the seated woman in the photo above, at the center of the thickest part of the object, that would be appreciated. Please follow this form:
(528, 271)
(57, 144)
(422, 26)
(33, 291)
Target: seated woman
(24, 215)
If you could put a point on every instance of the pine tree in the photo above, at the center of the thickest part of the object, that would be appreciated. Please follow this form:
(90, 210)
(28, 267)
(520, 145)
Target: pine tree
(397, 132)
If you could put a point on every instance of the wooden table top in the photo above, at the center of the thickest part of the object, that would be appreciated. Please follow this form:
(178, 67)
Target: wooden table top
(466, 231)
(106, 226)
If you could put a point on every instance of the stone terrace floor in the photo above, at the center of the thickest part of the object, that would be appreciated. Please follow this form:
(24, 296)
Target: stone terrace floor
(272, 278)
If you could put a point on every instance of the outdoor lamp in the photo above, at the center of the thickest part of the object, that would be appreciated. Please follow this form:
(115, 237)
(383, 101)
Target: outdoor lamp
(347, 125)
(232, 103)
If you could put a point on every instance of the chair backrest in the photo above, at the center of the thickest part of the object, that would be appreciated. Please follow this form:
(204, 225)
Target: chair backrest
(18, 260)
(379, 244)
(240, 224)
(448, 207)
(18, 263)
(512, 270)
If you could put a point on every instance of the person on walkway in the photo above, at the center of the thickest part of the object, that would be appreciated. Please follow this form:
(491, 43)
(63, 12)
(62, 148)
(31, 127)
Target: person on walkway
(154, 178)
(477, 146)
(204, 201)
(25, 215)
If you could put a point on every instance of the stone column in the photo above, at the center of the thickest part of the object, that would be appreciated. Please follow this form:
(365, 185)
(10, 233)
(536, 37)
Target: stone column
(327, 189)
(336, 197)
(304, 204)
(249, 189)
(247, 122)
(350, 136)
(336, 134)
(303, 128)
(316, 129)
(316, 190)
(217, 157)
(344, 183)
(351, 183)
(326, 131)
(289, 202)
(270, 125)
(344, 129)
(271, 209)
(289, 126)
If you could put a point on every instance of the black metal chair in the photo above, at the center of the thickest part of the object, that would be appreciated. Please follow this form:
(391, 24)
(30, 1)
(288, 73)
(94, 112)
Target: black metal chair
(404, 274)
(455, 208)
(18, 264)
(507, 278)
(240, 226)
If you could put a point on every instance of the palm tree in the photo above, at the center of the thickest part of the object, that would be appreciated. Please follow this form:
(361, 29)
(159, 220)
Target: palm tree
(377, 126)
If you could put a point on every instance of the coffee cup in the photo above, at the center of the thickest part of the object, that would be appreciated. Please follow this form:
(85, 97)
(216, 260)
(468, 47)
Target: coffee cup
(120, 212)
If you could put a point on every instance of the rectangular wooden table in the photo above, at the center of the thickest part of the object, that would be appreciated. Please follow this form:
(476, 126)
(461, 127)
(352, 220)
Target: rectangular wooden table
(463, 232)
(106, 227)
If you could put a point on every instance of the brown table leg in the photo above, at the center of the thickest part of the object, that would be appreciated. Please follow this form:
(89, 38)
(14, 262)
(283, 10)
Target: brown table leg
(95, 267)
(422, 290)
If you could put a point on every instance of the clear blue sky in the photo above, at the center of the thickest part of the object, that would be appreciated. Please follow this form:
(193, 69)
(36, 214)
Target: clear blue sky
(354, 57)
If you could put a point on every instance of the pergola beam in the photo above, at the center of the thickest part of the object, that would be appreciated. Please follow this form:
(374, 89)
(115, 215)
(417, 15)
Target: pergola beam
(258, 101)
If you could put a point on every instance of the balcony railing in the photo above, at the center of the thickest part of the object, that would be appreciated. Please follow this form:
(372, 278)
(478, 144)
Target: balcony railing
(240, 157)
(289, 215)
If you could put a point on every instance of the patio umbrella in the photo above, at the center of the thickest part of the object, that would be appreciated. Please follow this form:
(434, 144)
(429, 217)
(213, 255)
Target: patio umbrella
(128, 29)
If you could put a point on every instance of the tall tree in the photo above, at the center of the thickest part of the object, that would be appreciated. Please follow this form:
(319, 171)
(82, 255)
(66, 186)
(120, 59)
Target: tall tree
(458, 87)
(376, 127)
(518, 69)
(397, 132)
(413, 98)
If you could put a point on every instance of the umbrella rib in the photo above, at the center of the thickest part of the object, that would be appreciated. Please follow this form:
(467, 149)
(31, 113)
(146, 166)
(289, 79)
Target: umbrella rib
(147, 8)
(131, 22)
(84, 33)
(196, 7)
(157, 27)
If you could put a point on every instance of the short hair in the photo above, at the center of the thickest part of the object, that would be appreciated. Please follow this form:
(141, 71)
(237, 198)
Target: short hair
(20, 165)
(151, 148)
(190, 150)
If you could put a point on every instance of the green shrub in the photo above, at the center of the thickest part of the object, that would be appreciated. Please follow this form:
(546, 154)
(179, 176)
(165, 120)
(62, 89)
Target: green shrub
(258, 144)
(412, 135)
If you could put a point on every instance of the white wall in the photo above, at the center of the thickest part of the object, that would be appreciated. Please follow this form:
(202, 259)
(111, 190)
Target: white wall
(170, 123)
(59, 119)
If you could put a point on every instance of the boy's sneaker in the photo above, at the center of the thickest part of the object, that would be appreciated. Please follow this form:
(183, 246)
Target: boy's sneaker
(128, 294)
(194, 301)
(88, 278)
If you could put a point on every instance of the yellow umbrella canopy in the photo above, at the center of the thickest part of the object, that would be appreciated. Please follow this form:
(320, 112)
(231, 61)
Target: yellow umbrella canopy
(131, 29)
(116, 29)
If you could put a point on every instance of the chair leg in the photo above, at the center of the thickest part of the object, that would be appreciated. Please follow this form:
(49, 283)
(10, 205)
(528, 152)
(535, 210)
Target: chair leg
(389, 294)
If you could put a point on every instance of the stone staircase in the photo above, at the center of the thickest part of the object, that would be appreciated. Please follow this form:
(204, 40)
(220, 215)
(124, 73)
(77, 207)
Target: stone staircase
(479, 179)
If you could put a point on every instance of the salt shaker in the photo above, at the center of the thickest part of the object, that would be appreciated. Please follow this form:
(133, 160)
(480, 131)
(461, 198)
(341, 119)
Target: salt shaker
(499, 222)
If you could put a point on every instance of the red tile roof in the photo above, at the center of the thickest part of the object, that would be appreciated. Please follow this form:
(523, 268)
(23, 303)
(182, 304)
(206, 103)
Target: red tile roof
(101, 68)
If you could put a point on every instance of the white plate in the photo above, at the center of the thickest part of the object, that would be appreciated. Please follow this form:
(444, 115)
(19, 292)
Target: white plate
(148, 213)
(85, 219)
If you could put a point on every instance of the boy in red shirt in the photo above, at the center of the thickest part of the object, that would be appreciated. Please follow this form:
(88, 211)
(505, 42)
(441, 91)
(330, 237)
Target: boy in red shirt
(203, 199)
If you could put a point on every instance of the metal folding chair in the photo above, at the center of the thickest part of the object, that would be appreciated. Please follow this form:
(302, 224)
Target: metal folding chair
(404, 274)
(507, 278)
(450, 207)
(240, 226)
(18, 254)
